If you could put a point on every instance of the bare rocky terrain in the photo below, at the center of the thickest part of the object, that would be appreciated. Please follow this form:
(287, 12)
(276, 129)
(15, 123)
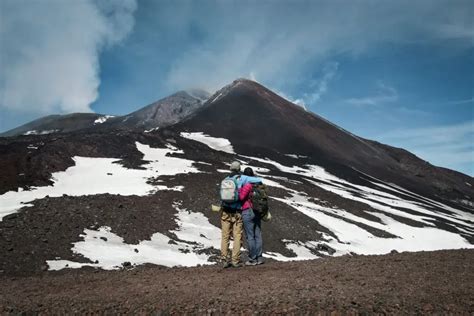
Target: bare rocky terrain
(440, 282)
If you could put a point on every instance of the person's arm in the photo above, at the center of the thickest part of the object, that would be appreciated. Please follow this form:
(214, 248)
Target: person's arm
(244, 192)
(245, 179)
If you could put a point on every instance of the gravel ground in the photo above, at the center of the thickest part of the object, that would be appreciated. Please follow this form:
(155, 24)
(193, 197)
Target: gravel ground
(438, 282)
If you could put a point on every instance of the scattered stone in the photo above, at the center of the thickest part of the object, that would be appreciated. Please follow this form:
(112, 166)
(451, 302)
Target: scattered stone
(104, 238)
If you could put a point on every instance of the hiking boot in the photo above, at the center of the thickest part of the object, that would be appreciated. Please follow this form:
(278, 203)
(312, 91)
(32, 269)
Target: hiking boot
(259, 261)
(236, 265)
(226, 265)
(251, 263)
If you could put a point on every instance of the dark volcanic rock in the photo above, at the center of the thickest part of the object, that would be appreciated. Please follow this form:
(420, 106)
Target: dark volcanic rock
(438, 282)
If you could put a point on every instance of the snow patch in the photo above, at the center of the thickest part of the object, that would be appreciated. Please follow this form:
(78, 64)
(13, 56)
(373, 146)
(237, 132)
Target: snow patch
(353, 238)
(104, 175)
(220, 144)
(109, 250)
(378, 199)
(300, 249)
(35, 132)
(102, 119)
(295, 156)
(151, 129)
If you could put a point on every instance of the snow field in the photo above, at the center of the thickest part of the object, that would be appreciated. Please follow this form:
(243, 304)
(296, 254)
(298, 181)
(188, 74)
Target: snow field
(220, 144)
(103, 175)
(109, 251)
(102, 119)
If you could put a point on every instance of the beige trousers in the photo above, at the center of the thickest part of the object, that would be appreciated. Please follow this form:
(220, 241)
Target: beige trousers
(231, 223)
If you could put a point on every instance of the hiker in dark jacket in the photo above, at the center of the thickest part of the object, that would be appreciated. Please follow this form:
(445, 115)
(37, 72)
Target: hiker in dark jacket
(231, 220)
(252, 223)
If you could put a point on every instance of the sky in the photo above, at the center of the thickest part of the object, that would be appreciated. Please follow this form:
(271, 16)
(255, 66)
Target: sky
(399, 72)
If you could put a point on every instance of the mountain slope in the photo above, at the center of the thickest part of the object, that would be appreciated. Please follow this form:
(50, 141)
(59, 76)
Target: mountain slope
(257, 120)
(112, 197)
(57, 124)
(164, 112)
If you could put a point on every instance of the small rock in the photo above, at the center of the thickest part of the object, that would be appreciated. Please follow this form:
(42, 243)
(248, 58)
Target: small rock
(103, 238)
(126, 264)
(65, 195)
(136, 250)
(427, 307)
(10, 249)
(120, 206)
(393, 252)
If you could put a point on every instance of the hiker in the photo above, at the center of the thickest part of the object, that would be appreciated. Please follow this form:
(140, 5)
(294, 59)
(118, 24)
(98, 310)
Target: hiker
(252, 222)
(231, 215)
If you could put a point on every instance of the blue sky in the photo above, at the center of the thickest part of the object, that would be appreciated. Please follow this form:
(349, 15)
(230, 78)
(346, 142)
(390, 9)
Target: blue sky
(400, 72)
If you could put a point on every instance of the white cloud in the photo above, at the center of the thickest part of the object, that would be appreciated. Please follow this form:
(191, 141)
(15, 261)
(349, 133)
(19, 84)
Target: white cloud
(445, 145)
(384, 94)
(320, 87)
(50, 49)
(299, 102)
(279, 41)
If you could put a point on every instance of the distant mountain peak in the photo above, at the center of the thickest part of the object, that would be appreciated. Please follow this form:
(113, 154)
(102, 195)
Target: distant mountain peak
(199, 94)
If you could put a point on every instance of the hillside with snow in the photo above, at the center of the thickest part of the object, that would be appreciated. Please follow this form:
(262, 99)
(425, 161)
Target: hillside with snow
(109, 198)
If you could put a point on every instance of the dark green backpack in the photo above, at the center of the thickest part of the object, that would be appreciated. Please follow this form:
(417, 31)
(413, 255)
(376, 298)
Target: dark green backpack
(260, 199)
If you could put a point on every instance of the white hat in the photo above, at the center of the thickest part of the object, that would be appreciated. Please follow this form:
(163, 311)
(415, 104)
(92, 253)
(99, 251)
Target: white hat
(235, 166)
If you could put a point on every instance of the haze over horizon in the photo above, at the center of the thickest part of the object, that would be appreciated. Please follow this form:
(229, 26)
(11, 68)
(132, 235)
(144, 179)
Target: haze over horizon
(401, 73)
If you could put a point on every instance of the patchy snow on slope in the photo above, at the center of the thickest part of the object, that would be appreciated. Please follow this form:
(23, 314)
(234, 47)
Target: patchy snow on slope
(195, 227)
(35, 132)
(215, 143)
(103, 175)
(151, 129)
(353, 238)
(102, 119)
(109, 250)
(393, 200)
(300, 249)
(378, 199)
(295, 156)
